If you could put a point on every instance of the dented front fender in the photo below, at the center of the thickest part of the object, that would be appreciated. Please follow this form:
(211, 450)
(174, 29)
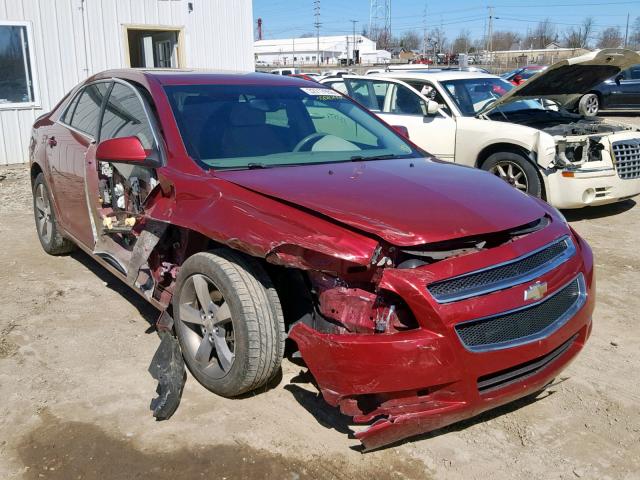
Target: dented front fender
(258, 225)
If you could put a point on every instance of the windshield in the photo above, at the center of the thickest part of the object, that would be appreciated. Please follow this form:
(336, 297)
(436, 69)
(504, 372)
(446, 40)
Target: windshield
(527, 73)
(471, 95)
(253, 126)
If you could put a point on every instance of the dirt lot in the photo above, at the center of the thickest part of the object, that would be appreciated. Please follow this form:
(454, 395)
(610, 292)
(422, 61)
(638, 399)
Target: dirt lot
(74, 390)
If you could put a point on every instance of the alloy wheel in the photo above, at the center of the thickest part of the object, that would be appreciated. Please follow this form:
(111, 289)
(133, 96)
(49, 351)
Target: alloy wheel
(206, 320)
(44, 221)
(592, 105)
(511, 173)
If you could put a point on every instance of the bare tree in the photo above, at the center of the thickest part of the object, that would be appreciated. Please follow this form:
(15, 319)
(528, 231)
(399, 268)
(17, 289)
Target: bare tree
(579, 37)
(542, 35)
(411, 40)
(308, 35)
(610, 38)
(383, 39)
(438, 39)
(505, 40)
(634, 36)
(479, 45)
(462, 43)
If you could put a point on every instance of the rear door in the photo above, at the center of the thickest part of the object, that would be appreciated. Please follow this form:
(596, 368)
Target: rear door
(71, 138)
(397, 103)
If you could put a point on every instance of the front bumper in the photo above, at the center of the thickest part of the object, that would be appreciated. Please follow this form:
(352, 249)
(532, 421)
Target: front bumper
(589, 188)
(407, 383)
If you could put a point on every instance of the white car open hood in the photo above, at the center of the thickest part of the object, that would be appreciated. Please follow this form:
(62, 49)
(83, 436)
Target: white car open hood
(566, 81)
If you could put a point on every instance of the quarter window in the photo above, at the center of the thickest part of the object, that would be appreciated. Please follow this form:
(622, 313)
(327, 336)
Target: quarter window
(16, 75)
(124, 116)
(86, 110)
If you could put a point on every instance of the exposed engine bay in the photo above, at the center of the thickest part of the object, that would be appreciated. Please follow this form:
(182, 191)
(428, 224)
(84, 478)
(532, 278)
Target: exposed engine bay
(559, 123)
(578, 139)
(353, 301)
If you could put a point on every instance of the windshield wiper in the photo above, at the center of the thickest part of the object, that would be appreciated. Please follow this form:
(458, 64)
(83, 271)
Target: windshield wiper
(256, 166)
(360, 158)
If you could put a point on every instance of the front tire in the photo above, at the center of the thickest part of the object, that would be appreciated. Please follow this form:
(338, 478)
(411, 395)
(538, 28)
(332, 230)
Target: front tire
(52, 241)
(589, 105)
(229, 322)
(515, 170)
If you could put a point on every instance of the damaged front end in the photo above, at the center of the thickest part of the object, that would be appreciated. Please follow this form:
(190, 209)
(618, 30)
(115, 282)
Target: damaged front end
(384, 347)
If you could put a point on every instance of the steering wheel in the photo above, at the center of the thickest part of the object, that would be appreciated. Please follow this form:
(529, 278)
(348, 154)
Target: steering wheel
(314, 136)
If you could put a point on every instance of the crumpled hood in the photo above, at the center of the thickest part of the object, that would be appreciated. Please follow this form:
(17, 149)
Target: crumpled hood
(566, 81)
(405, 202)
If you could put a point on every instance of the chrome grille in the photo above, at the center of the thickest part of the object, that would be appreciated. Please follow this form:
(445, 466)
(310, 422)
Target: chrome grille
(498, 277)
(627, 157)
(525, 324)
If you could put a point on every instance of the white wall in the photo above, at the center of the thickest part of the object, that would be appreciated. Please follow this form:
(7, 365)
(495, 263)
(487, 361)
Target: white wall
(274, 51)
(218, 34)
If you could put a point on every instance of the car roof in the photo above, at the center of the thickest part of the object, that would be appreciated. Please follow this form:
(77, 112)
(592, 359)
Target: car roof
(193, 76)
(439, 75)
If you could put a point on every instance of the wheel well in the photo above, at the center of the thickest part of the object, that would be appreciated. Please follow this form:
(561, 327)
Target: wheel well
(35, 171)
(500, 147)
(599, 95)
(510, 147)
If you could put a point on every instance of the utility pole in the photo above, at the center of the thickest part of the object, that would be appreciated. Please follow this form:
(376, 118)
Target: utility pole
(626, 32)
(346, 38)
(353, 50)
(316, 14)
(424, 31)
(490, 35)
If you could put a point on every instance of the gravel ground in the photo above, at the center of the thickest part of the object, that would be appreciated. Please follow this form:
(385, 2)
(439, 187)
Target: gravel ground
(74, 391)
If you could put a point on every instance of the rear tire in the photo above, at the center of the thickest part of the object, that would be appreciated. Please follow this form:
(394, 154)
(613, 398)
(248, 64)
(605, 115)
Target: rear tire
(52, 241)
(589, 105)
(229, 322)
(515, 170)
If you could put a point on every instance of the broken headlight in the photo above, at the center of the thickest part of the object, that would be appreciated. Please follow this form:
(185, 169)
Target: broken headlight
(571, 153)
(576, 153)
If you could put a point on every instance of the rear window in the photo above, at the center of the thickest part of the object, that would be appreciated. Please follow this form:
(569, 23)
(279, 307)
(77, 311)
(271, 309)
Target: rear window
(244, 126)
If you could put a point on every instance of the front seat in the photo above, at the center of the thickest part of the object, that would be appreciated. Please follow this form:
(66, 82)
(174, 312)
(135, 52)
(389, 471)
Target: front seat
(248, 134)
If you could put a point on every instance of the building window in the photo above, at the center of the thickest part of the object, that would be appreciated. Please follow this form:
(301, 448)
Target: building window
(154, 48)
(16, 71)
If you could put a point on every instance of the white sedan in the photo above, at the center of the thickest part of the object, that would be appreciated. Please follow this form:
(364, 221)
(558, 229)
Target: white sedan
(524, 134)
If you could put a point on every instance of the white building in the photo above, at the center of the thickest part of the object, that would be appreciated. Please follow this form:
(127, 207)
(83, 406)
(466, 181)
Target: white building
(304, 51)
(47, 47)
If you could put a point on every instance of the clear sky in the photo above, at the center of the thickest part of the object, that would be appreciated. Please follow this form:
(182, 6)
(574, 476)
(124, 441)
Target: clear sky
(292, 18)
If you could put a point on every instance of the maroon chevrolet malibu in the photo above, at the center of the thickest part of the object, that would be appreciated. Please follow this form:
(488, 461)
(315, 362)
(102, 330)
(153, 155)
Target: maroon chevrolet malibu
(255, 209)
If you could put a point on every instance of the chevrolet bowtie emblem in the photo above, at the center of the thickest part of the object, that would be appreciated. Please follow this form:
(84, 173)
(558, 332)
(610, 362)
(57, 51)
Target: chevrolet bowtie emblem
(535, 291)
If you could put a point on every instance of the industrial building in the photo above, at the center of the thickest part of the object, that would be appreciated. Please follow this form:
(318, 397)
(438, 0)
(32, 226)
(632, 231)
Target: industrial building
(47, 47)
(331, 50)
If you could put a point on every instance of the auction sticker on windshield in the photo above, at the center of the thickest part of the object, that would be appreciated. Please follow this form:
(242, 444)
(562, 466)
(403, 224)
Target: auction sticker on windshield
(321, 92)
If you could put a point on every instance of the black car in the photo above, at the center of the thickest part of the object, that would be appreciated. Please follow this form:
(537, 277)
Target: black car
(621, 92)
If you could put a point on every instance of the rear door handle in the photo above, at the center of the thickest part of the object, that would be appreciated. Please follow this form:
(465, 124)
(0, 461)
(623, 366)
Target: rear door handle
(52, 142)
